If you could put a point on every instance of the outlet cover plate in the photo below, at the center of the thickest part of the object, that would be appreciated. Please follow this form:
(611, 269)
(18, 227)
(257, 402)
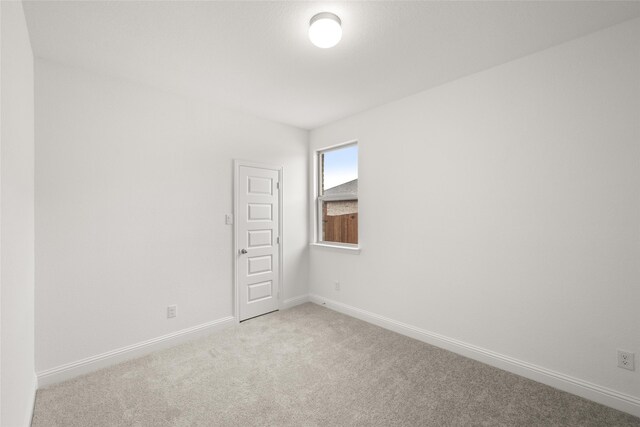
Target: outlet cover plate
(626, 360)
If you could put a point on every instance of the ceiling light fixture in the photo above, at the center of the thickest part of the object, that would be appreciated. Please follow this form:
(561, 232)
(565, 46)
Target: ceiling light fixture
(325, 30)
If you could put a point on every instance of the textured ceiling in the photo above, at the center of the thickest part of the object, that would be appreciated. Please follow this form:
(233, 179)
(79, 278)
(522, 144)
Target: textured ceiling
(256, 57)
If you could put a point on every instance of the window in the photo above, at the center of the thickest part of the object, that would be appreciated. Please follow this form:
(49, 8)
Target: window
(337, 201)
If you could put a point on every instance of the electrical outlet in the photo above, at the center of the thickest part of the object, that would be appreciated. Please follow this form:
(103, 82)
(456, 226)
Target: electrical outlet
(336, 285)
(172, 311)
(626, 360)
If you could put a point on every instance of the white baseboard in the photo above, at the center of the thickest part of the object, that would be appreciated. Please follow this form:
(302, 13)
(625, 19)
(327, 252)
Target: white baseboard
(93, 363)
(292, 302)
(594, 392)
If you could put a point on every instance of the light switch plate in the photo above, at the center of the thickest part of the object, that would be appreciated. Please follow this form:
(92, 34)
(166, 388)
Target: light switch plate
(172, 311)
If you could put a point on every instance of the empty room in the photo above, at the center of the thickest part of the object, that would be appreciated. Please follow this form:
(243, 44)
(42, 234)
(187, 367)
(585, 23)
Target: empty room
(308, 213)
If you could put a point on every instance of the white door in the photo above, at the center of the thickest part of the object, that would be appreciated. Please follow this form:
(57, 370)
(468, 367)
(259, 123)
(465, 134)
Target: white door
(257, 240)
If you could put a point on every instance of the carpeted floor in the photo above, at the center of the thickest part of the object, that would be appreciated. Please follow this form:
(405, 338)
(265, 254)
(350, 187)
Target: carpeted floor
(310, 366)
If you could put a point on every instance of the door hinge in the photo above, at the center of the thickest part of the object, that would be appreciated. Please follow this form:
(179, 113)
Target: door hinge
(278, 240)
(278, 185)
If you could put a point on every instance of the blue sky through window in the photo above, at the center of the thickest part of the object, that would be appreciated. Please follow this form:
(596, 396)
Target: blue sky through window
(340, 166)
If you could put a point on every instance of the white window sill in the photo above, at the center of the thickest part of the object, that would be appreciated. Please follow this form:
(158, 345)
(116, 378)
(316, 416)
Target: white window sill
(338, 248)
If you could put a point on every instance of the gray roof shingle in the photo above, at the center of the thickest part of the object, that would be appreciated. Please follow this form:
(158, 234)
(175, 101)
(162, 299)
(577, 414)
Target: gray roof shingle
(350, 187)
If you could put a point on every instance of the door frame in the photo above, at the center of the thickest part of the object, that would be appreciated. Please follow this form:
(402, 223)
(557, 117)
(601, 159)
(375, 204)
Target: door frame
(237, 163)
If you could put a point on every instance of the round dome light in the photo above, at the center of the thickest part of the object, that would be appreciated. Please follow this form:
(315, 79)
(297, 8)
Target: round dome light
(325, 30)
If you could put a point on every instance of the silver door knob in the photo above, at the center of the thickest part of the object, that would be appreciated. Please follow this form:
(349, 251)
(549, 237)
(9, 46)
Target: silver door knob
(243, 251)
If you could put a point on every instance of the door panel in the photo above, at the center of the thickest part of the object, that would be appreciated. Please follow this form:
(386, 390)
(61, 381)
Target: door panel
(258, 228)
(260, 291)
(260, 211)
(260, 238)
(259, 265)
(260, 185)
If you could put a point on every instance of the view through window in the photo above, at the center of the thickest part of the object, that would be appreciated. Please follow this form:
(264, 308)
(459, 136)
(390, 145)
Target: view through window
(338, 195)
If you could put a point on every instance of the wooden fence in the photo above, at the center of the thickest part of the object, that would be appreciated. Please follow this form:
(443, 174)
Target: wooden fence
(341, 228)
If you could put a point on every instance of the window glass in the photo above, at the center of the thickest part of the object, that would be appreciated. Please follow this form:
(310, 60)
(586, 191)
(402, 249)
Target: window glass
(338, 195)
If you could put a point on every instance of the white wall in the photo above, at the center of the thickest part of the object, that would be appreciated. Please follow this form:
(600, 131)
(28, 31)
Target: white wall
(132, 185)
(18, 381)
(503, 210)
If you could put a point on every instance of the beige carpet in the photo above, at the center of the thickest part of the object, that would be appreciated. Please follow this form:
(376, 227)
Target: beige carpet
(310, 366)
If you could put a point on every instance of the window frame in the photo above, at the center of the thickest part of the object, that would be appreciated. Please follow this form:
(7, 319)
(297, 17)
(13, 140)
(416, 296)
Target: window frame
(319, 198)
